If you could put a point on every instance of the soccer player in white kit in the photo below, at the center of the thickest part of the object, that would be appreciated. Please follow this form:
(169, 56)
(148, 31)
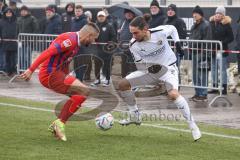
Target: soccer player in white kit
(156, 62)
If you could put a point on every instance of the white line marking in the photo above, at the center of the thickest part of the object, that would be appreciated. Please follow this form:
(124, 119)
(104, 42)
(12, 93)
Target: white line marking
(27, 107)
(144, 124)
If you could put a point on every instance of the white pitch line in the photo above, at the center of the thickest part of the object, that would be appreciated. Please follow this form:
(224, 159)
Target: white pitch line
(144, 124)
(27, 107)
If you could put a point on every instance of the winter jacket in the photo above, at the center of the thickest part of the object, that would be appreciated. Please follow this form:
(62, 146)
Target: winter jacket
(125, 34)
(237, 47)
(51, 26)
(179, 24)
(8, 30)
(78, 23)
(107, 34)
(222, 31)
(27, 24)
(201, 31)
(67, 18)
(2, 10)
(157, 19)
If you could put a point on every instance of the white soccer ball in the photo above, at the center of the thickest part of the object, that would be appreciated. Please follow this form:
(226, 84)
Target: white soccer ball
(104, 121)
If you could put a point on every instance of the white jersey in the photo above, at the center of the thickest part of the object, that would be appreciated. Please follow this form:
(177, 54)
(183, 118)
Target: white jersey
(156, 50)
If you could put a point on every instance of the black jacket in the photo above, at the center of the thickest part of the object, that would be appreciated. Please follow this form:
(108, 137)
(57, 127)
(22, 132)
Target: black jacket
(51, 26)
(78, 23)
(67, 18)
(157, 20)
(8, 30)
(125, 34)
(222, 31)
(67, 21)
(237, 39)
(179, 24)
(27, 24)
(201, 31)
(107, 34)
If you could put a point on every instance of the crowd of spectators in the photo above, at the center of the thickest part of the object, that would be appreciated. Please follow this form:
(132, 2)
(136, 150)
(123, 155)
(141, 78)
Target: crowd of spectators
(14, 21)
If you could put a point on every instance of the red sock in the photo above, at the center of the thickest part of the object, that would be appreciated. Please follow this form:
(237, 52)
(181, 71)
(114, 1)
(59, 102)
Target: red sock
(70, 107)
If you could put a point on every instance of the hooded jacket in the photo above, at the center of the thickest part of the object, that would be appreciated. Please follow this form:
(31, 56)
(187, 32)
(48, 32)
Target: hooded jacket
(222, 31)
(8, 30)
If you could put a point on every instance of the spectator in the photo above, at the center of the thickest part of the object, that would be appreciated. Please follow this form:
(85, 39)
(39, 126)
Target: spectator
(127, 65)
(180, 25)
(67, 17)
(237, 47)
(79, 20)
(201, 30)
(111, 19)
(26, 23)
(222, 31)
(3, 6)
(52, 24)
(13, 6)
(82, 62)
(173, 19)
(88, 14)
(158, 17)
(8, 30)
(107, 34)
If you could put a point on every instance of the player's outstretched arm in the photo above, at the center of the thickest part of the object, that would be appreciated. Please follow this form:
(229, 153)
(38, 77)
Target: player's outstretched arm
(40, 59)
(26, 75)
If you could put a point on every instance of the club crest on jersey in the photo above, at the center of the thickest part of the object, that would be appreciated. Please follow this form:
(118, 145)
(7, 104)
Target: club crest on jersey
(159, 42)
(104, 29)
(67, 43)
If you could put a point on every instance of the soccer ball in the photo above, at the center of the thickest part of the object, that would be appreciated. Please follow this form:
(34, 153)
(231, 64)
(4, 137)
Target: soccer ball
(104, 121)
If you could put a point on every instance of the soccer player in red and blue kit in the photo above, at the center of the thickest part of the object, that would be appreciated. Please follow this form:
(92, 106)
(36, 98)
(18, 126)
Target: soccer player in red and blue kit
(54, 70)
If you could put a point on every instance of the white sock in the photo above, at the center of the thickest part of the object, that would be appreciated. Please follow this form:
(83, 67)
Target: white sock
(129, 97)
(182, 105)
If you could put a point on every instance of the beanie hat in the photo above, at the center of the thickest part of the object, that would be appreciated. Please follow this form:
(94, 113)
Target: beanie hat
(198, 10)
(221, 10)
(172, 7)
(155, 3)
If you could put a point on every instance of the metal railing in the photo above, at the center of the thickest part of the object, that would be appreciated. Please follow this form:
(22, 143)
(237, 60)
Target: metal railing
(195, 66)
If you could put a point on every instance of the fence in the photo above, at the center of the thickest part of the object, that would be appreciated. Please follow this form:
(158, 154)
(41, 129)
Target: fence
(200, 58)
(142, 3)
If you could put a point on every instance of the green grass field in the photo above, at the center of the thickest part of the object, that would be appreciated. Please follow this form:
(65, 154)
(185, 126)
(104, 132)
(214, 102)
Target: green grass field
(24, 136)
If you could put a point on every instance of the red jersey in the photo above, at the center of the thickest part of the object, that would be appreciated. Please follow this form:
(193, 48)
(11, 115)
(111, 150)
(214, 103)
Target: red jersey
(58, 54)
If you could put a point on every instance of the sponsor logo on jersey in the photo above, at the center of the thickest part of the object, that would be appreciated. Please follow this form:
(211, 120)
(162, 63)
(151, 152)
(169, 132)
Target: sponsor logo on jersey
(157, 52)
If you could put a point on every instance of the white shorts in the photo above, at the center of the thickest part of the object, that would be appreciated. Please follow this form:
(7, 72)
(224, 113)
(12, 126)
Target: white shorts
(169, 77)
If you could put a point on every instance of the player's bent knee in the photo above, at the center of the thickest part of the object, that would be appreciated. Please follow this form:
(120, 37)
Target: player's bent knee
(173, 94)
(124, 85)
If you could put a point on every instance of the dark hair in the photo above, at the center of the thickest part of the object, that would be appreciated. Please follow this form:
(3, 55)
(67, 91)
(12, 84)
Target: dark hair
(79, 7)
(93, 25)
(141, 21)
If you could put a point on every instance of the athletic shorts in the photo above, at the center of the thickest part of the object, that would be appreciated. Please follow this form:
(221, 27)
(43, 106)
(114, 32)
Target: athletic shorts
(57, 81)
(168, 75)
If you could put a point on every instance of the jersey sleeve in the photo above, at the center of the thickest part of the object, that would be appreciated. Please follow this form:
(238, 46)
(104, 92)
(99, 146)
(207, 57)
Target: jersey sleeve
(170, 30)
(59, 45)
